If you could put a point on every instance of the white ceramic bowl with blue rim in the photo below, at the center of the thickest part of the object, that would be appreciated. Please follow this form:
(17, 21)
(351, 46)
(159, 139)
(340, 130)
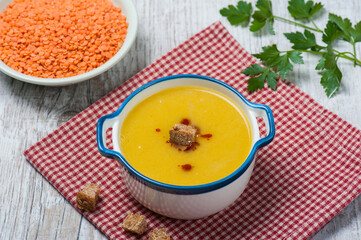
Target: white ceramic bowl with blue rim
(128, 10)
(185, 202)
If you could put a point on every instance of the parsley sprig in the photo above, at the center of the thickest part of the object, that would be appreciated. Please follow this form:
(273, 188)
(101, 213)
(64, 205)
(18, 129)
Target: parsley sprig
(280, 63)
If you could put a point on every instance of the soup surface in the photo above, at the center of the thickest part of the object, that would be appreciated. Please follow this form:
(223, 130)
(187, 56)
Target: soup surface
(223, 143)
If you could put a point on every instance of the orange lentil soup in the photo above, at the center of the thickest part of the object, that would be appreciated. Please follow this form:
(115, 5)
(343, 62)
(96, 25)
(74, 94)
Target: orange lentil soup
(223, 143)
(60, 38)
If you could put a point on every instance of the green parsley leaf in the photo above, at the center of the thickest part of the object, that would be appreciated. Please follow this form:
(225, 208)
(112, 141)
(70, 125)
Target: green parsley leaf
(344, 25)
(257, 82)
(317, 7)
(253, 70)
(330, 59)
(295, 57)
(270, 26)
(299, 9)
(283, 62)
(239, 14)
(256, 25)
(356, 32)
(269, 54)
(272, 79)
(272, 57)
(321, 64)
(331, 77)
(331, 81)
(262, 16)
(283, 66)
(331, 32)
(303, 41)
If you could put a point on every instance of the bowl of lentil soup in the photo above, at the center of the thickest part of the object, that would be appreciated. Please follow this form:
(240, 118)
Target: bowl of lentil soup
(63, 42)
(201, 176)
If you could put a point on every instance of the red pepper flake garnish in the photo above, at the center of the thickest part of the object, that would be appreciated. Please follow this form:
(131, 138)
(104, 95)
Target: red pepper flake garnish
(187, 167)
(185, 121)
(167, 141)
(206, 135)
(157, 130)
(189, 147)
(179, 149)
(192, 146)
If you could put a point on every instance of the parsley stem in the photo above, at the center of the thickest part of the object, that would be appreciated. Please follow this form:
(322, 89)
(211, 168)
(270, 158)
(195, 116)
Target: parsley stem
(353, 56)
(354, 53)
(355, 60)
(343, 53)
(339, 55)
(314, 24)
(298, 24)
(308, 51)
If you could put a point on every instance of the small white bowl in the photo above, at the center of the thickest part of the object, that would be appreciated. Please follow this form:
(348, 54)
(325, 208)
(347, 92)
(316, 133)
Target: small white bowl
(128, 10)
(186, 202)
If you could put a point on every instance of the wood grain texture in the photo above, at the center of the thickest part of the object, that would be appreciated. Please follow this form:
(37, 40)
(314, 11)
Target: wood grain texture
(32, 209)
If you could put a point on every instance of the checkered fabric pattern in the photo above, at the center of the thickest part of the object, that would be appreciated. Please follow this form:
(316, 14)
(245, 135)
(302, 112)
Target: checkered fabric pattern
(301, 180)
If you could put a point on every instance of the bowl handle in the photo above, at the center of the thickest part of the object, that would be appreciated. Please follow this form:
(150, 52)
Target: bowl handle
(103, 124)
(263, 111)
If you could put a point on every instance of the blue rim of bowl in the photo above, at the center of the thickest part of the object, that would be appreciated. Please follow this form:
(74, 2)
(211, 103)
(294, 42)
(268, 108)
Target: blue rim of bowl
(194, 189)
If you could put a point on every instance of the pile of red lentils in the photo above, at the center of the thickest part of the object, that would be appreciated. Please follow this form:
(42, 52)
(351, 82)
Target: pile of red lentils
(60, 38)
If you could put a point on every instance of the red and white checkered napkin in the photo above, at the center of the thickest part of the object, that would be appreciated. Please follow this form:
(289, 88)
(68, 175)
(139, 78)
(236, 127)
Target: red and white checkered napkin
(301, 180)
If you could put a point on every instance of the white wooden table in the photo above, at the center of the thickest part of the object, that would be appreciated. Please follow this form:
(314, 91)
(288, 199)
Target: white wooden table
(30, 208)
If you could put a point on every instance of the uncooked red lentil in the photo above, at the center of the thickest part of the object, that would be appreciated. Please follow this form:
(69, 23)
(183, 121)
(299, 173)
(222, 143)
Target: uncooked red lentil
(60, 38)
